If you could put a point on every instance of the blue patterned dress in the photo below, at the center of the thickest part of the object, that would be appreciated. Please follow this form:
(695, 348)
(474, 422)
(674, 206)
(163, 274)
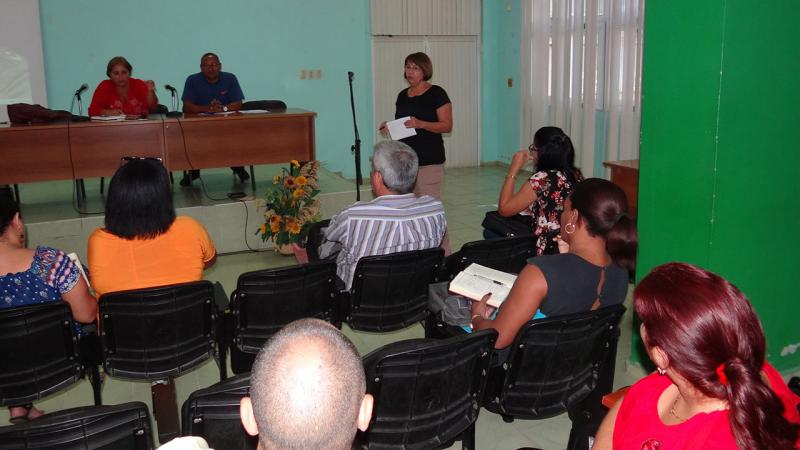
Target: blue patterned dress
(51, 274)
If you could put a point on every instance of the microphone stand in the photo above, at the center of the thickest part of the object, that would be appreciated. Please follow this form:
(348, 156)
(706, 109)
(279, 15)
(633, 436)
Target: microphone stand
(174, 112)
(355, 148)
(80, 103)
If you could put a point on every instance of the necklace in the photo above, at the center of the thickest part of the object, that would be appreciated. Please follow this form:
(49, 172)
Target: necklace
(673, 413)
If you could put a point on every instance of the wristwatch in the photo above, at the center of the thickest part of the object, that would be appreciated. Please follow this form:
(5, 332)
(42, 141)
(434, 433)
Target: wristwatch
(225, 108)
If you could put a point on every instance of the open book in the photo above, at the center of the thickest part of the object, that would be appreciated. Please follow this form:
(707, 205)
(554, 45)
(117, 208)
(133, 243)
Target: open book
(476, 281)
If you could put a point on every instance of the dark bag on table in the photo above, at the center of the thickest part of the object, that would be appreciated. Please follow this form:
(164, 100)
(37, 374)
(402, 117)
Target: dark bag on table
(517, 225)
(26, 113)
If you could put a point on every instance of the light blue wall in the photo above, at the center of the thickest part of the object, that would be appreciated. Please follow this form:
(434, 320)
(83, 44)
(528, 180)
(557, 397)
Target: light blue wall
(500, 110)
(266, 43)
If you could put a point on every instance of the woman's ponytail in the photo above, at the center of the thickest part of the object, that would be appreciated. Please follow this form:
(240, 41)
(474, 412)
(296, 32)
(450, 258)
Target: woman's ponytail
(756, 413)
(604, 207)
(622, 241)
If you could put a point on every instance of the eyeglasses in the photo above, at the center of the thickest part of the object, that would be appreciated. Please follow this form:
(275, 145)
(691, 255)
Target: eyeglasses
(126, 159)
(141, 158)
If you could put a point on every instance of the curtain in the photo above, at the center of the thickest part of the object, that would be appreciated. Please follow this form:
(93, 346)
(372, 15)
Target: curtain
(581, 71)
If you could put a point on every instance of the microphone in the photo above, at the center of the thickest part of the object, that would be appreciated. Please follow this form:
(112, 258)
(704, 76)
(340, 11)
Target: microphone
(350, 75)
(83, 87)
(174, 95)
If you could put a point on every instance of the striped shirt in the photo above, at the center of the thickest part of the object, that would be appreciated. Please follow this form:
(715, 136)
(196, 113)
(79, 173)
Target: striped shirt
(387, 224)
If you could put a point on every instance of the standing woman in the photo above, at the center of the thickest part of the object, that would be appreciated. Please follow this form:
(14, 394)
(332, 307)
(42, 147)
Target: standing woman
(122, 94)
(431, 114)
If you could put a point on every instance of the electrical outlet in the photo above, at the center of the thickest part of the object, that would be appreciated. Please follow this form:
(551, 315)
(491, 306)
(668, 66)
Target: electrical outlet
(510, 82)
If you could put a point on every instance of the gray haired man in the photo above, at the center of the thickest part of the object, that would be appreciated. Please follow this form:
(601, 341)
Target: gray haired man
(396, 220)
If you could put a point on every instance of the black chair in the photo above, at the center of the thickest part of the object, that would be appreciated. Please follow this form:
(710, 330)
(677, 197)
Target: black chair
(427, 392)
(41, 353)
(269, 105)
(505, 254)
(157, 334)
(390, 292)
(266, 300)
(125, 426)
(556, 365)
(315, 238)
(213, 414)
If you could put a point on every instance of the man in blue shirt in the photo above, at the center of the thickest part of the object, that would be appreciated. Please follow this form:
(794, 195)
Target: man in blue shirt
(211, 91)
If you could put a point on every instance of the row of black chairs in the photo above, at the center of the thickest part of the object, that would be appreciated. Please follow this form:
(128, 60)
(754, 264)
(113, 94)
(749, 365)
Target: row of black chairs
(428, 392)
(157, 334)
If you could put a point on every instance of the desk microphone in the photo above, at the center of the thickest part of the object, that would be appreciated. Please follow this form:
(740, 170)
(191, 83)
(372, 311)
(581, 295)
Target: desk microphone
(350, 76)
(77, 95)
(174, 94)
(83, 87)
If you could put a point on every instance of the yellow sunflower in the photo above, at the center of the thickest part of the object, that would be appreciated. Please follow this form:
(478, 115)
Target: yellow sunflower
(299, 192)
(292, 225)
(301, 180)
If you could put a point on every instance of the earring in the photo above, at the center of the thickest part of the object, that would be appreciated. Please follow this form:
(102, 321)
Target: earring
(568, 229)
(661, 371)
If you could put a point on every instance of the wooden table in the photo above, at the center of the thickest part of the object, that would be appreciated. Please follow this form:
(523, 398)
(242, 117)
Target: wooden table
(60, 151)
(625, 174)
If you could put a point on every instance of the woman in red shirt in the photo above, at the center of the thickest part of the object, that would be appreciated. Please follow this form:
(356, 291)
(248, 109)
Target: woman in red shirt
(713, 388)
(121, 94)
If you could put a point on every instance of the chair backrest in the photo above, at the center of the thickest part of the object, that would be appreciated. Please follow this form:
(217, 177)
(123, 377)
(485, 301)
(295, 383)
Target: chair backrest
(213, 414)
(157, 333)
(39, 350)
(269, 105)
(390, 292)
(504, 254)
(125, 426)
(266, 300)
(315, 238)
(555, 363)
(427, 391)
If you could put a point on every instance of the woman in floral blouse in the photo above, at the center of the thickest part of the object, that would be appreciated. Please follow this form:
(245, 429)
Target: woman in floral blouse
(541, 200)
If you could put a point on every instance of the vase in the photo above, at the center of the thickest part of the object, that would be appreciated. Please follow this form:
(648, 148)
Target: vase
(284, 249)
(300, 253)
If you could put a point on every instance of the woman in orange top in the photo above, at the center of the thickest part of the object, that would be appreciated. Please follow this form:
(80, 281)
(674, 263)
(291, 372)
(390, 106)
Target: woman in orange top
(143, 244)
(122, 94)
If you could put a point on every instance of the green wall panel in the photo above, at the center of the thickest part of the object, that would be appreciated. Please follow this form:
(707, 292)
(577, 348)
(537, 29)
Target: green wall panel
(720, 149)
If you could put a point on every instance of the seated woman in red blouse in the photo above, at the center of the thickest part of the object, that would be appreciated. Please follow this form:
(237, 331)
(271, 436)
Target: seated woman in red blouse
(121, 94)
(713, 388)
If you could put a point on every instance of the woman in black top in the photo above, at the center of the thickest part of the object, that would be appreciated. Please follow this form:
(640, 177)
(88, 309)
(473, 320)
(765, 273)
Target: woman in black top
(599, 242)
(431, 114)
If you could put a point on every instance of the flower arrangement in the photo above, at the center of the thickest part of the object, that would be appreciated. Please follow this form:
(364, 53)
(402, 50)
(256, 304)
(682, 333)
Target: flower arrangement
(291, 204)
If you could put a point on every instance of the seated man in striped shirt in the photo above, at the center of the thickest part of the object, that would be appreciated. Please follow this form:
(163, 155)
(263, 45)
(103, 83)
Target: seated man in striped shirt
(395, 221)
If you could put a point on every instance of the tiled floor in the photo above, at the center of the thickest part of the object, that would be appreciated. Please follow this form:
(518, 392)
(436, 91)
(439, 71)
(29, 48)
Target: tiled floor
(468, 194)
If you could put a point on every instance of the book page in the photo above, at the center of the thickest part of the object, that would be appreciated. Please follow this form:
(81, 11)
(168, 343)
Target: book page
(397, 129)
(475, 287)
(482, 271)
(108, 118)
(74, 258)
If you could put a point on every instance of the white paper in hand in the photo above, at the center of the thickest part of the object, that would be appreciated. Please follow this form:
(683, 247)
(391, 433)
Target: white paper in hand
(397, 129)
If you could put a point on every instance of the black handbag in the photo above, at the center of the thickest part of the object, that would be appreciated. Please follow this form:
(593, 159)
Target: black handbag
(517, 225)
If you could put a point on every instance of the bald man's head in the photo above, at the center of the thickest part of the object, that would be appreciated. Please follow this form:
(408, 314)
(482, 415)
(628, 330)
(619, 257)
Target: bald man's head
(307, 388)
